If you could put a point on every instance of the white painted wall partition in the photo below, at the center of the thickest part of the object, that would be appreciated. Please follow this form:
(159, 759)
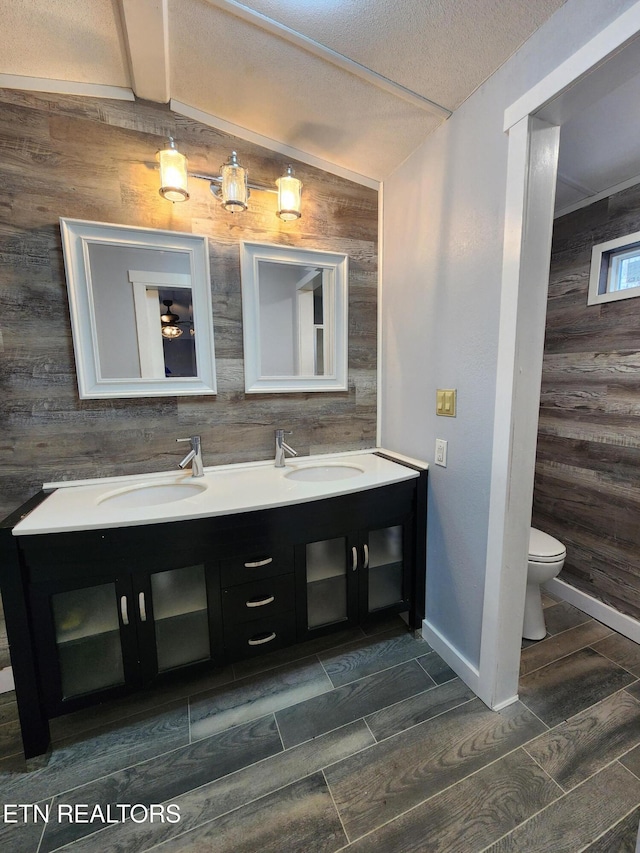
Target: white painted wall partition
(467, 224)
(531, 177)
(531, 184)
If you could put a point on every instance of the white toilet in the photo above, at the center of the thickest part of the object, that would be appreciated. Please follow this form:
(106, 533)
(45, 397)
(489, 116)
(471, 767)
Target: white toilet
(546, 558)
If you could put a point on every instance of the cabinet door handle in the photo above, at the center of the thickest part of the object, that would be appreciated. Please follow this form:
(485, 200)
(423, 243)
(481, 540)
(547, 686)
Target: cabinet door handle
(257, 563)
(354, 558)
(142, 607)
(258, 641)
(365, 548)
(260, 602)
(124, 612)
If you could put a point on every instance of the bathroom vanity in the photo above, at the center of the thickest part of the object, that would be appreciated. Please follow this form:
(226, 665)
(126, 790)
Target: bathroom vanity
(112, 586)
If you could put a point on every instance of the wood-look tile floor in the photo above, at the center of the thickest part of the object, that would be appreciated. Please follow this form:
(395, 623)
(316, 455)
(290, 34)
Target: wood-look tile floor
(355, 742)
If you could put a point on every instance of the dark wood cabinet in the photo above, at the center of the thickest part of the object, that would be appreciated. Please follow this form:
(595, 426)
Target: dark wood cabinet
(258, 604)
(99, 635)
(349, 575)
(99, 613)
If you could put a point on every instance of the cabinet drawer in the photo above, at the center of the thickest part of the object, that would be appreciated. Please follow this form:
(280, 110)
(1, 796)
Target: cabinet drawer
(258, 599)
(250, 639)
(255, 566)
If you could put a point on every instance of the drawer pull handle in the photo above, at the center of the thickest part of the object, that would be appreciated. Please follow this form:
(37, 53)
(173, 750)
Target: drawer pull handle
(366, 556)
(258, 641)
(260, 602)
(354, 559)
(123, 610)
(142, 606)
(257, 563)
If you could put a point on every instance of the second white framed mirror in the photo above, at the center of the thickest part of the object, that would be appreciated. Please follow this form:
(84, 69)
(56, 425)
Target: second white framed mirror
(295, 319)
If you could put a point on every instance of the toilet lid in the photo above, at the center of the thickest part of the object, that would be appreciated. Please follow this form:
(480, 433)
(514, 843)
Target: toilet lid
(544, 548)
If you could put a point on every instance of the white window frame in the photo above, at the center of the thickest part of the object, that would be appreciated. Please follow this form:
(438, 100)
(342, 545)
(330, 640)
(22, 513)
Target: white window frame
(604, 264)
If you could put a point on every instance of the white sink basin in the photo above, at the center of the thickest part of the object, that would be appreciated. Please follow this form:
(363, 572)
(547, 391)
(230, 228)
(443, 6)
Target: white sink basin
(324, 473)
(150, 494)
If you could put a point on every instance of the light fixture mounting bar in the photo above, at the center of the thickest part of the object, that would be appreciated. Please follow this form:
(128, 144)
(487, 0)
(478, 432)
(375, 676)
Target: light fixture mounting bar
(216, 179)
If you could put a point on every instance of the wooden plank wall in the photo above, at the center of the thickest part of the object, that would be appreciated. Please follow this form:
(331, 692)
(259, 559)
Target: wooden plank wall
(587, 487)
(95, 159)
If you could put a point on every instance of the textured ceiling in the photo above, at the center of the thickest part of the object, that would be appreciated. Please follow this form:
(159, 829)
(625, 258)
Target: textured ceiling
(347, 81)
(599, 146)
(441, 49)
(79, 40)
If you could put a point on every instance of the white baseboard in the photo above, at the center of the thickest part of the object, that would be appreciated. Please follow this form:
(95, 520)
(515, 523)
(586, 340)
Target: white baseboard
(462, 667)
(450, 655)
(623, 624)
(6, 680)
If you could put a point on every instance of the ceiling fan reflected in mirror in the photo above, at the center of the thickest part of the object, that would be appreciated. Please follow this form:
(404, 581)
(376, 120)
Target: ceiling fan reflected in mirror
(171, 322)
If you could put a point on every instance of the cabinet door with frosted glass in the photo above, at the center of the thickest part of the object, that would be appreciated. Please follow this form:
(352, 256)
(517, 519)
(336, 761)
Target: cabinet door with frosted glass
(384, 579)
(179, 618)
(87, 640)
(327, 590)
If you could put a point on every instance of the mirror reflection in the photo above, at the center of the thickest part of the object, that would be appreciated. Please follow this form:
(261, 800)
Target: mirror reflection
(294, 310)
(132, 290)
(296, 320)
(140, 304)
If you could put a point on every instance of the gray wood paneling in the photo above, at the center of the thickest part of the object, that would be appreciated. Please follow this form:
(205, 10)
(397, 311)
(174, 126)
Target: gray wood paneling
(89, 158)
(587, 486)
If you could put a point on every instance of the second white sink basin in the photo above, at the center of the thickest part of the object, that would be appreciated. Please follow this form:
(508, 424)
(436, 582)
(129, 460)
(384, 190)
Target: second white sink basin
(324, 473)
(150, 494)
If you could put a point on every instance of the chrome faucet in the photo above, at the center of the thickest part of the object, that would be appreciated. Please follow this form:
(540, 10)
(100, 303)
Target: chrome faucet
(194, 456)
(282, 447)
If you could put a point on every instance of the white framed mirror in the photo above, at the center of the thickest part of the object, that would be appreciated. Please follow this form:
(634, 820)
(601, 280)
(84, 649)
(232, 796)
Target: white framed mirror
(141, 316)
(294, 311)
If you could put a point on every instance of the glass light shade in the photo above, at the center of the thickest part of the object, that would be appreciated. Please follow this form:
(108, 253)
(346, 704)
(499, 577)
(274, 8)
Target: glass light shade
(289, 196)
(171, 332)
(234, 190)
(169, 328)
(173, 173)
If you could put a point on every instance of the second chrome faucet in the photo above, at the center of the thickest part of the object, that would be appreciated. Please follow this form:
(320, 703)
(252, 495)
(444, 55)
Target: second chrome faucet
(282, 447)
(194, 456)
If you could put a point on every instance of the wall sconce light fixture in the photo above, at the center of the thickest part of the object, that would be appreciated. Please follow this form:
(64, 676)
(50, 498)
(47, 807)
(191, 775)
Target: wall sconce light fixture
(289, 192)
(234, 189)
(173, 173)
(231, 186)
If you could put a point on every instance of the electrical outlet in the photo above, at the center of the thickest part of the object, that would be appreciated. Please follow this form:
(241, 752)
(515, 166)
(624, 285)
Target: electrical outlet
(441, 452)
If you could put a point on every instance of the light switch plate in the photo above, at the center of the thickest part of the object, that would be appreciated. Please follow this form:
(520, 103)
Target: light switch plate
(441, 452)
(446, 399)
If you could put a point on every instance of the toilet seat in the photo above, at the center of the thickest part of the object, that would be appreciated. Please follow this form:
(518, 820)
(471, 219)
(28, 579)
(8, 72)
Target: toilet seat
(544, 548)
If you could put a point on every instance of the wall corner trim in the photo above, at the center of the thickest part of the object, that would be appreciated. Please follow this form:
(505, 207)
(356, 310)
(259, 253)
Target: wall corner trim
(65, 87)
(618, 33)
(272, 144)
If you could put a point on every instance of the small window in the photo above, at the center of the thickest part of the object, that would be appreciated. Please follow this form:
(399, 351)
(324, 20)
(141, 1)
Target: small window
(615, 270)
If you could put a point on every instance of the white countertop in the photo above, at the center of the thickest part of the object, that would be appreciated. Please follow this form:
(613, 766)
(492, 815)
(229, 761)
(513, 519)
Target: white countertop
(225, 489)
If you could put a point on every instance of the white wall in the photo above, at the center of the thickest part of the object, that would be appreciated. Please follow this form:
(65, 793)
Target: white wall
(443, 227)
(278, 322)
(113, 301)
